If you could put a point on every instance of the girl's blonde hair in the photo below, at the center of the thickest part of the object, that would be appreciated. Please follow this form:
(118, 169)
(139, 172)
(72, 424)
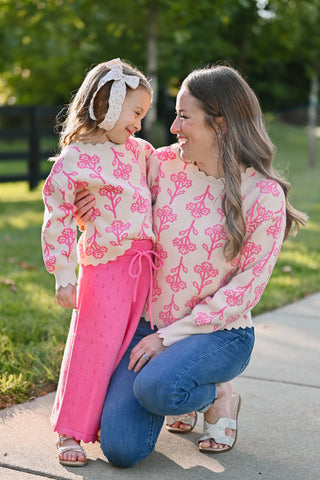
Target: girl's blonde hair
(222, 92)
(78, 126)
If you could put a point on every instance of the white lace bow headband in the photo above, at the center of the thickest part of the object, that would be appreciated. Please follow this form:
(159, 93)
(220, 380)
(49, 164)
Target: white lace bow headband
(117, 93)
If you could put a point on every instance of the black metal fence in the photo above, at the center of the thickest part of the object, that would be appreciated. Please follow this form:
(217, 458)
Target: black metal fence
(31, 124)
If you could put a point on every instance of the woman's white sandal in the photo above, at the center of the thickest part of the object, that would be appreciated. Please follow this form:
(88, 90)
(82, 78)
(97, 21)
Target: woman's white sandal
(70, 448)
(217, 431)
(185, 419)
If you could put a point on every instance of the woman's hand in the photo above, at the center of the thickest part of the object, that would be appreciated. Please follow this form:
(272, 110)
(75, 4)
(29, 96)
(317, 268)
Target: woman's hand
(66, 296)
(84, 202)
(149, 347)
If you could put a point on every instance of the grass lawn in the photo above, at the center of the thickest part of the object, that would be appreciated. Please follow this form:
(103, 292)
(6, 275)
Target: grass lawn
(33, 327)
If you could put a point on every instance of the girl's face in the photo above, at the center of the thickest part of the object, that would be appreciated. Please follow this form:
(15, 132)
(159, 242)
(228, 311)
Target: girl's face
(197, 139)
(134, 108)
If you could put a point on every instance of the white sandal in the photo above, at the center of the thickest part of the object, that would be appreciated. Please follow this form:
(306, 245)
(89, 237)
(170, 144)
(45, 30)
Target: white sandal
(70, 448)
(217, 431)
(185, 419)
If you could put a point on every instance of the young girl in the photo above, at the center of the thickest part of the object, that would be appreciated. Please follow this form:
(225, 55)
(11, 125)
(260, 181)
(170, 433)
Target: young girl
(98, 154)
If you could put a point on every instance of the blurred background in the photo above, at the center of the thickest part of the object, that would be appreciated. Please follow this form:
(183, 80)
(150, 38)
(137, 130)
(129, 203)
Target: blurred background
(47, 46)
(46, 49)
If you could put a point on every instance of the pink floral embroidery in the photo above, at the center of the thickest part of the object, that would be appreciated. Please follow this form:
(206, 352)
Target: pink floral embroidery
(68, 238)
(156, 290)
(184, 243)
(203, 319)
(167, 314)
(133, 146)
(206, 272)
(141, 204)
(161, 252)
(82, 185)
(199, 209)
(91, 163)
(268, 186)
(256, 216)
(94, 249)
(235, 297)
(48, 188)
(216, 234)
(193, 302)
(118, 229)
(113, 193)
(258, 292)
(262, 265)
(248, 253)
(49, 260)
(175, 281)
(165, 154)
(166, 216)
(58, 165)
(122, 171)
(276, 229)
(69, 210)
(181, 182)
(72, 184)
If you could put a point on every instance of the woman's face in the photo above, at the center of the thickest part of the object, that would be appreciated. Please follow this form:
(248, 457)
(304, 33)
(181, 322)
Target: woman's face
(197, 140)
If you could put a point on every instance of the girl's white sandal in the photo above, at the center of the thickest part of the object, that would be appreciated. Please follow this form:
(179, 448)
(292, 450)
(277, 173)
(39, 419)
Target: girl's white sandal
(70, 448)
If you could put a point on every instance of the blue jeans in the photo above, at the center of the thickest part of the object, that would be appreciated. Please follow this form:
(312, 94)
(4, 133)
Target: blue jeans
(180, 380)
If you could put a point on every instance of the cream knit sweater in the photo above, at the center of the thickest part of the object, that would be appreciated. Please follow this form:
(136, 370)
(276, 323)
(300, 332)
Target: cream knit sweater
(197, 290)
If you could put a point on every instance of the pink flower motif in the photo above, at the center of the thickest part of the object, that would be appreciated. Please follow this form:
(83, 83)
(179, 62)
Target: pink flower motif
(48, 188)
(268, 186)
(113, 193)
(199, 209)
(58, 166)
(202, 319)
(166, 216)
(175, 281)
(181, 182)
(81, 185)
(122, 171)
(50, 262)
(217, 236)
(96, 251)
(193, 302)
(166, 154)
(118, 229)
(206, 272)
(184, 243)
(68, 238)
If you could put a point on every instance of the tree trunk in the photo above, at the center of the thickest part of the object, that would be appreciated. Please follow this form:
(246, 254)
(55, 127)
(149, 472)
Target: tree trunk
(152, 72)
(312, 118)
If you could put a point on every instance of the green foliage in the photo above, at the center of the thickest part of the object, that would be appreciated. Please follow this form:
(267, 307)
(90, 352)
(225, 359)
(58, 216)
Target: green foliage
(47, 46)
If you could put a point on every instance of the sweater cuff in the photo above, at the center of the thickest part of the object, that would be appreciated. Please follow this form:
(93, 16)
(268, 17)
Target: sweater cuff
(63, 278)
(179, 330)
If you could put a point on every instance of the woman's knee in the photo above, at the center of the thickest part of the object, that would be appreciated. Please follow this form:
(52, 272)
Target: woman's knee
(122, 451)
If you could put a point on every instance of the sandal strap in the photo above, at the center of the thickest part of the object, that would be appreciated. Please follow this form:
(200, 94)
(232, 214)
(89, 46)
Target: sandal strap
(70, 448)
(217, 431)
(183, 418)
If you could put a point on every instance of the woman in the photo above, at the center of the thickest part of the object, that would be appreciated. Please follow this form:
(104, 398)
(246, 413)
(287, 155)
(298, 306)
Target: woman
(220, 216)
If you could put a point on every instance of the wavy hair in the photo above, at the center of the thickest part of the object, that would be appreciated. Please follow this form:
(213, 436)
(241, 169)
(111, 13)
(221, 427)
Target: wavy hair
(78, 126)
(222, 92)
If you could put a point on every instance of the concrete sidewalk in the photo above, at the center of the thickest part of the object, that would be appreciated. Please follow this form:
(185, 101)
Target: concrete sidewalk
(279, 422)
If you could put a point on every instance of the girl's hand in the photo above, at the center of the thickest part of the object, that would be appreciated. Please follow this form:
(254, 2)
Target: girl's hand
(66, 296)
(149, 347)
(84, 202)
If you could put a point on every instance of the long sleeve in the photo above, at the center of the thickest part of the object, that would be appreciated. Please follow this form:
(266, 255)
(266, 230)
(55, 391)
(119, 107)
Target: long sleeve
(59, 230)
(240, 293)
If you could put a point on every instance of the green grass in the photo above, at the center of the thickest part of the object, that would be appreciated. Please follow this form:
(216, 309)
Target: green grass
(33, 327)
